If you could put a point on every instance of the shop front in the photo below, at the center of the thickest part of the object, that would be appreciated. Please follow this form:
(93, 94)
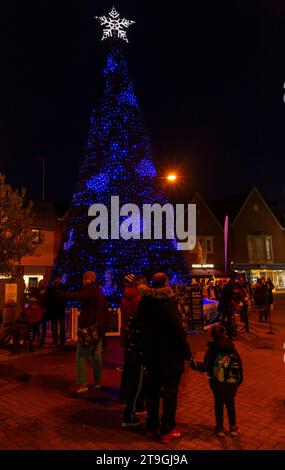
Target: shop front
(252, 272)
(33, 275)
(209, 272)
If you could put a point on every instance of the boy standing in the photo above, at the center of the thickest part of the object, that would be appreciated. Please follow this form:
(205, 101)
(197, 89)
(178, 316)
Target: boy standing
(224, 367)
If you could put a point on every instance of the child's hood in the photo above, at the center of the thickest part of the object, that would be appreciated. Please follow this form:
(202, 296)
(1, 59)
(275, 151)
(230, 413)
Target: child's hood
(224, 344)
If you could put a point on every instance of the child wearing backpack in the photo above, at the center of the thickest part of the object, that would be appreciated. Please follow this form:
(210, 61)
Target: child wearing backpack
(224, 367)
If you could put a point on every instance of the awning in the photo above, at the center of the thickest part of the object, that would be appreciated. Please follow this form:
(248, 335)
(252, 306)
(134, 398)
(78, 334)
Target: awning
(249, 267)
(34, 270)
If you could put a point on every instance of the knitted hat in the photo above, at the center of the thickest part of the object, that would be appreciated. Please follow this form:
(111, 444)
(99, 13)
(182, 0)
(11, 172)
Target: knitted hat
(130, 279)
(90, 275)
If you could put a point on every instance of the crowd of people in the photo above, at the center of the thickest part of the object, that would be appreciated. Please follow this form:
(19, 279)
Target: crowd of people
(154, 342)
(238, 297)
(233, 298)
(42, 305)
(155, 351)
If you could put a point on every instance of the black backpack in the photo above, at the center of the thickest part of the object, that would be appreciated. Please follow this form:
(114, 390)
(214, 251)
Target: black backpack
(227, 368)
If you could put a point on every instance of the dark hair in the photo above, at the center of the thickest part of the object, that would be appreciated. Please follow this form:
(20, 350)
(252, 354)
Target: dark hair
(159, 280)
(218, 332)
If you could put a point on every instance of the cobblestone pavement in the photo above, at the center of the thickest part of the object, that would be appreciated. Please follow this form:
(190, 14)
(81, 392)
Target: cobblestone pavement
(39, 414)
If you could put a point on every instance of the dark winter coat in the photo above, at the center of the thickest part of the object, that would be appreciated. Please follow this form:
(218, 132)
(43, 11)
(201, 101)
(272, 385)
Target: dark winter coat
(270, 287)
(129, 305)
(93, 307)
(261, 295)
(226, 299)
(165, 345)
(216, 347)
(54, 305)
(133, 338)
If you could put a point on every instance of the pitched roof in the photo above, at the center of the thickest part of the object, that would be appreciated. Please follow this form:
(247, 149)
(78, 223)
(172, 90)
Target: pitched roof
(230, 205)
(198, 196)
(233, 205)
(279, 212)
(255, 190)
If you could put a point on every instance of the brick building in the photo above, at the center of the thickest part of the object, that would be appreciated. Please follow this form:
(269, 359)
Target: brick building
(256, 245)
(47, 229)
(257, 241)
(207, 258)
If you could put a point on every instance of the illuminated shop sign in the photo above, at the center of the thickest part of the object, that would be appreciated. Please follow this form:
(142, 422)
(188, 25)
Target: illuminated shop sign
(202, 266)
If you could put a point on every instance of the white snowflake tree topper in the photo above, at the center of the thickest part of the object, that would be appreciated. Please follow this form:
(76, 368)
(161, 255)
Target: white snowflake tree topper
(114, 25)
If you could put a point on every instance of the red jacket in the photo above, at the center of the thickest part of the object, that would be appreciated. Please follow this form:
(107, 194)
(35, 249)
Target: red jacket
(33, 314)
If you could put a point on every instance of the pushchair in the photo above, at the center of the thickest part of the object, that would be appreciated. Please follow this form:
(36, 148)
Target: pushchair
(22, 334)
(26, 329)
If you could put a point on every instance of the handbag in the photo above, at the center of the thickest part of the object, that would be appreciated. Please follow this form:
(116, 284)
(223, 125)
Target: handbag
(88, 336)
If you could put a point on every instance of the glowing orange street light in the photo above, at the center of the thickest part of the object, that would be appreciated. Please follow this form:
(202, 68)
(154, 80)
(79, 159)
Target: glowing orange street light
(172, 177)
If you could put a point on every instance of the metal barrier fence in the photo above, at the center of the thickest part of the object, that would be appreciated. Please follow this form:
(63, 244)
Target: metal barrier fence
(71, 323)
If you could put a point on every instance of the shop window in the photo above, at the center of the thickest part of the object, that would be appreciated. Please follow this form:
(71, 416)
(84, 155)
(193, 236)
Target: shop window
(280, 281)
(205, 245)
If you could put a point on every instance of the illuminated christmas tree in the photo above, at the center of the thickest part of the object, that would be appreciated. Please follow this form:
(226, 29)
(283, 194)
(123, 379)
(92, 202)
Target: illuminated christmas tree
(118, 162)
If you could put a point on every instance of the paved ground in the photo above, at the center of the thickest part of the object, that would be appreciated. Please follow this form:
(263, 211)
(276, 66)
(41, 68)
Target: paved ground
(39, 414)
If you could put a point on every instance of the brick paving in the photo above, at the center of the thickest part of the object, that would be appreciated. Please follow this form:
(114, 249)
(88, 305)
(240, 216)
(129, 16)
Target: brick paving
(39, 414)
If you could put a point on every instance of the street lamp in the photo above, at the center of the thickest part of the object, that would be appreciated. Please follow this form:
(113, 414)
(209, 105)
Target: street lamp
(171, 177)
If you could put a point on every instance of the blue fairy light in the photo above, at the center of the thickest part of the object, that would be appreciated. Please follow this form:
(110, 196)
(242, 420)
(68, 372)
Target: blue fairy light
(146, 168)
(111, 65)
(127, 97)
(98, 183)
(68, 244)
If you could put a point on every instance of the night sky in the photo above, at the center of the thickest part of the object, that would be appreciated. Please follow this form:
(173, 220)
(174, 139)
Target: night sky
(208, 75)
